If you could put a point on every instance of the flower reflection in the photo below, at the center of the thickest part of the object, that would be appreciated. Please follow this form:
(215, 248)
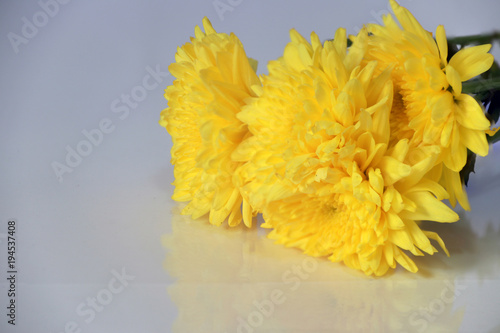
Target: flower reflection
(236, 280)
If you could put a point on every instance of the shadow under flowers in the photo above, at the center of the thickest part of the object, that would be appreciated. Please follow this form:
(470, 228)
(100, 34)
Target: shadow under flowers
(237, 280)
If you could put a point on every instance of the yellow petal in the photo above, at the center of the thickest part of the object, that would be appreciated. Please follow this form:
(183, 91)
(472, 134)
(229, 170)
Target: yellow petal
(428, 208)
(208, 26)
(441, 106)
(198, 33)
(315, 41)
(451, 180)
(474, 140)
(442, 44)
(419, 238)
(454, 79)
(437, 79)
(394, 221)
(470, 114)
(247, 213)
(340, 41)
(456, 154)
(422, 160)
(402, 239)
(235, 217)
(389, 255)
(431, 186)
(434, 236)
(472, 61)
(405, 261)
(446, 133)
(410, 24)
(393, 170)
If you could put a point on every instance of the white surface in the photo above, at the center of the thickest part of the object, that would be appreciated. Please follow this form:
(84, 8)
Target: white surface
(109, 214)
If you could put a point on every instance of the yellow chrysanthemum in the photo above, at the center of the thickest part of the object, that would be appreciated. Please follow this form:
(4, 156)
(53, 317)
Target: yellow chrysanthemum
(319, 165)
(429, 106)
(214, 78)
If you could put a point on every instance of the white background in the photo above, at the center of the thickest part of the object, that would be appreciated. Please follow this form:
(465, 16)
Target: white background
(108, 215)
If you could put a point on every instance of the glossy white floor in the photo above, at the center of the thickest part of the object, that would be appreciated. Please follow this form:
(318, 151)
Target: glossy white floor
(100, 247)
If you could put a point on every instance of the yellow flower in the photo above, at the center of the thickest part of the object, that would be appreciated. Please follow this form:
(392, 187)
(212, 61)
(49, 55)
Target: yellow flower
(320, 165)
(214, 78)
(429, 107)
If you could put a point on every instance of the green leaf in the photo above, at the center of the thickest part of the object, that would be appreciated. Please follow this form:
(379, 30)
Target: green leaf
(475, 39)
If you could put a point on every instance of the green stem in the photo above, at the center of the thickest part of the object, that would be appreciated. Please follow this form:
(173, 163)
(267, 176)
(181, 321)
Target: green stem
(475, 39)
(479, 85)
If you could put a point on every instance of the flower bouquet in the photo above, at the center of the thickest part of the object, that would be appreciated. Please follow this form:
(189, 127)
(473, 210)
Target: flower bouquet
(344, 146)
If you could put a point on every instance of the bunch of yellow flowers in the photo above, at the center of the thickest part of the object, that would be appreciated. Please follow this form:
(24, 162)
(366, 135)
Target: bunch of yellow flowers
(344, 147)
